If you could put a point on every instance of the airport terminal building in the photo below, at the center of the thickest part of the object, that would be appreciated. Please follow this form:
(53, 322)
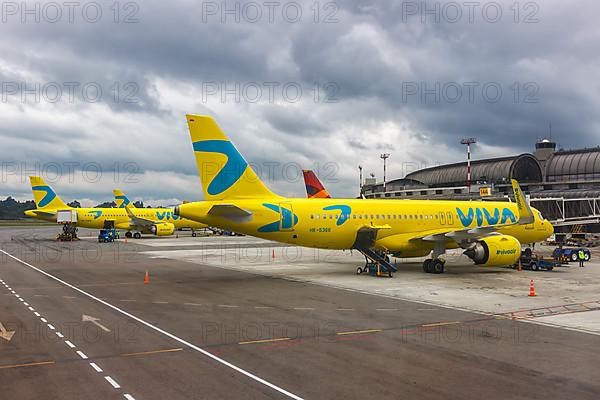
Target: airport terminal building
(563, 184)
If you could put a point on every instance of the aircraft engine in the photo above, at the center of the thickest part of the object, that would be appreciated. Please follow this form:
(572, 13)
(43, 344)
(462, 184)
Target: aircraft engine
(163, 229)
(495, 251)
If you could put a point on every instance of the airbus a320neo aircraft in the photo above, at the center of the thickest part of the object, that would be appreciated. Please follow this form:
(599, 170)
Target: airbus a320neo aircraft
(155, 221)
(236, 199)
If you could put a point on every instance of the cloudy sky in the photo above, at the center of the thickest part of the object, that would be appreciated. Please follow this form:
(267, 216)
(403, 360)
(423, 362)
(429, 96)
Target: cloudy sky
(99, 93)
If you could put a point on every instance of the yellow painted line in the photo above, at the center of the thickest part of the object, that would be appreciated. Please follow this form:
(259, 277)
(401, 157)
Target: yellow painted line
(145, 353)
(441, 324)
(26, 365)
(357, 332)
(266, 340)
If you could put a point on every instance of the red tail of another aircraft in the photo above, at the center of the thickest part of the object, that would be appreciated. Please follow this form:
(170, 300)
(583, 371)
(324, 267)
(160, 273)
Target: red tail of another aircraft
(314, 187)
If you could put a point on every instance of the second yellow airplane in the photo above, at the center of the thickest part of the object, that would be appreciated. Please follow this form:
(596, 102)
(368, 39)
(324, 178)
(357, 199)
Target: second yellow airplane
(155, 221)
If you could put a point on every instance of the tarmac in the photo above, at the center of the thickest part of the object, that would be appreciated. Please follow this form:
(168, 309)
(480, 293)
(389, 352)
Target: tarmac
(238, 317)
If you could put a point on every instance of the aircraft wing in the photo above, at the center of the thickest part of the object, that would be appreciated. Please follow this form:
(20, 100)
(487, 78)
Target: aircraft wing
(138, 221)
(524, 216)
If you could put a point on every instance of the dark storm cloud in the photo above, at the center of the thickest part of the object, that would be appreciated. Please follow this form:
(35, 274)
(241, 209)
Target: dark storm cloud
(377, 54)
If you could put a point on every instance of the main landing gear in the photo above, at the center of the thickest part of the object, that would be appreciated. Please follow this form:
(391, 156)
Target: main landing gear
(136, 235)
(436, 264)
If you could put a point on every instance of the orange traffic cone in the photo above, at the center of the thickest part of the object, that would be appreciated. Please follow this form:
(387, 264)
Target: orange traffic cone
(531, 289)
(146, 278)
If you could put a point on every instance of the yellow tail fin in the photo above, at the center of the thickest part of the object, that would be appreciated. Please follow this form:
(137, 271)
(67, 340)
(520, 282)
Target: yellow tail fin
(121, 200)
(223, 171)
(44, 196)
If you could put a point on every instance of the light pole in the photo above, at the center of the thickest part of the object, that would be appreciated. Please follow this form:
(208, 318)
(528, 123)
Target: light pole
(360, 180)
(468, 142)
(384, 157)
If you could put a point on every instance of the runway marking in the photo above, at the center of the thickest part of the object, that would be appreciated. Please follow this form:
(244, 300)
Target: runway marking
(358, 332)
(69, 297)
(227, 306)
(160, 302)
(386, 309)
(40, 295)
(37, 314)
(263, 307)
(112, 382)
(162, 331)
(60, 335)
(303, 308)
(31, 308)
(426, 309)
(191, 304)
(82, 354)
(51, 327)
(71, 345)
(33, 364)
(44, 320)
(144, 353)
(96, 367)
(26, 304)
(266, 340)
(344, 309)
(127, 300)
(129, 397)
(441, 324)
(20, 299)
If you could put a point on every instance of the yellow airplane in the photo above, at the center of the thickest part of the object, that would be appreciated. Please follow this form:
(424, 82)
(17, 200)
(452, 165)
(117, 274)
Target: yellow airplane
(156, 221)
(236, 199)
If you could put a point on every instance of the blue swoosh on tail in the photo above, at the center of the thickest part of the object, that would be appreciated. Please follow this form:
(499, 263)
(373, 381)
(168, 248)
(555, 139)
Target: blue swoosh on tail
(231, 171)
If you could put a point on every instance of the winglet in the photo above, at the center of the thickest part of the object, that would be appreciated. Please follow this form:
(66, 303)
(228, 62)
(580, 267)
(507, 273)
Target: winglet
(525, 213)
(129, 212)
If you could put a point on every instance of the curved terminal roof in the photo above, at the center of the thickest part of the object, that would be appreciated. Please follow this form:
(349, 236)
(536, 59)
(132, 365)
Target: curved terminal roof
(573, 165)
(524, 168)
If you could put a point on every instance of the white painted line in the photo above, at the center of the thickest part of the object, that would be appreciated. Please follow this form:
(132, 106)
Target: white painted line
(386, 309)
(37, 314)
(96, 367)
(26, 304)
(20, 299)
(162, 331)
(112, 382)
(31, 308)
(191, 304)
(44, 320)
(303, 308)
(60, 335)
(82, 354)
(41, 295)
(51, 327)
(126, 300)
(17, 296)
(69, 297)
(160, 302)
(344, 309)
(263, 307)
(129, 397)
(226, 306)
(71, 345)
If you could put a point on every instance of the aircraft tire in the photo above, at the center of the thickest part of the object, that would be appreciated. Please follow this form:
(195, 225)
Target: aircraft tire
(427, 265)
(437, 267)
